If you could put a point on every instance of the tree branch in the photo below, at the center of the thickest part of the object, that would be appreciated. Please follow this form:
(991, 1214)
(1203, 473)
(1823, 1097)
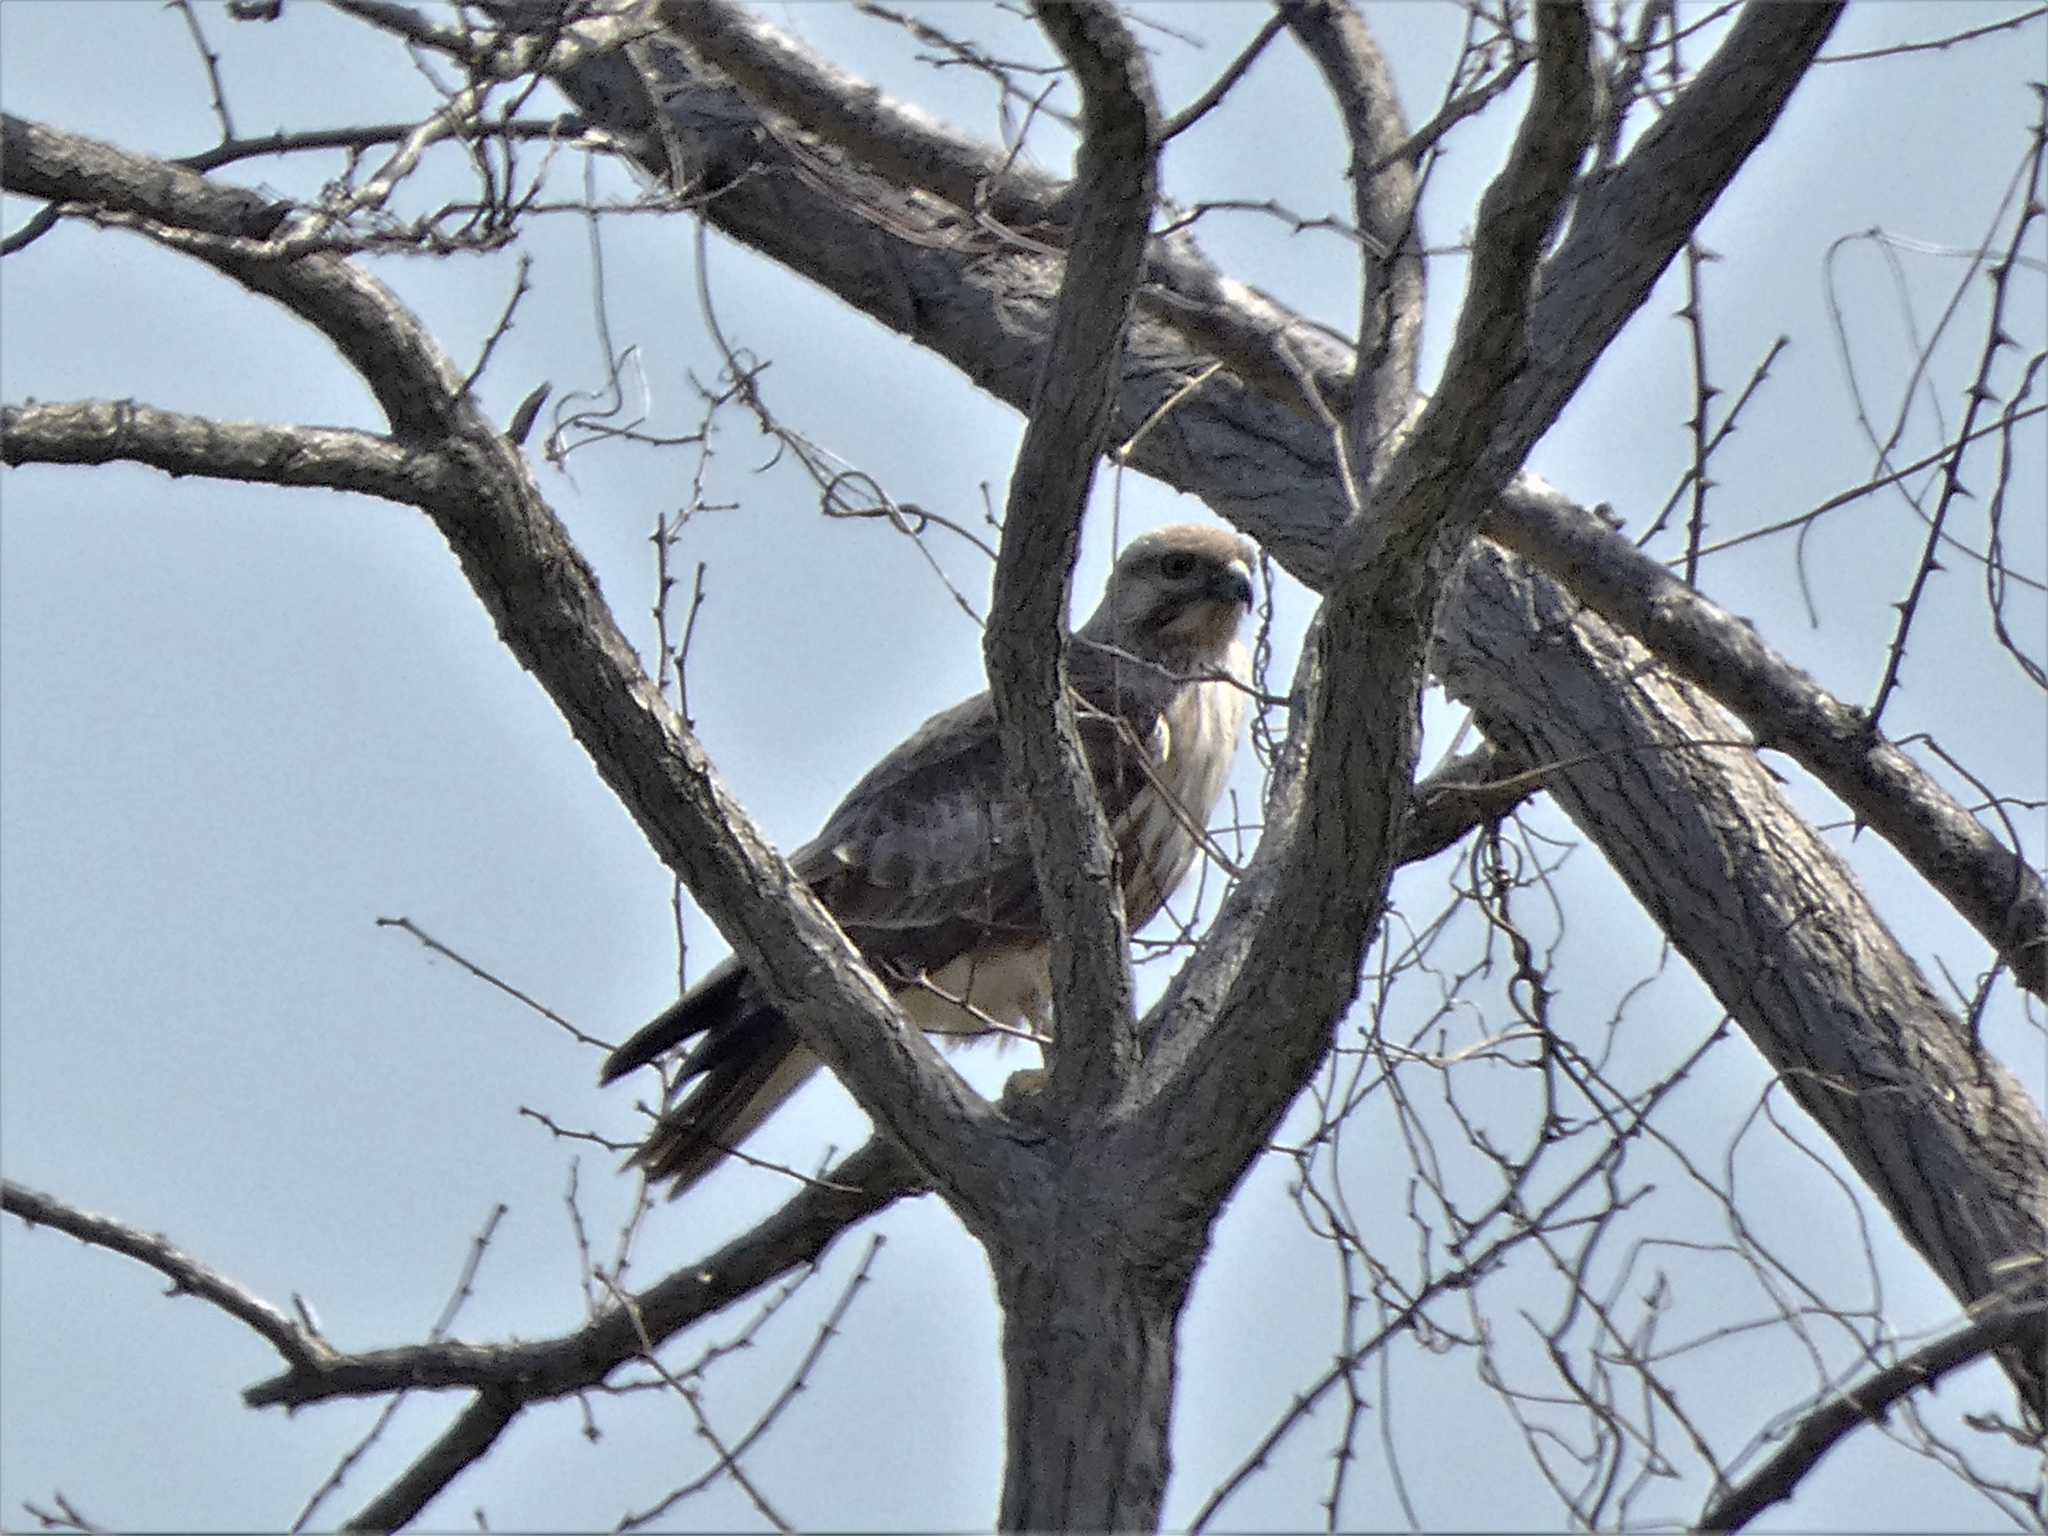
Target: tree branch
(550, 614)
(1224, 83)
(779, 73)
(1024, 643)
(1788, 711)
(1771, 918)
(1000, 201)
(1289, 949)
(110, 431)
(979, 304)
(300, 1347)
(1822, 1429)
(872, 1178)
(1384, 193)
(1626, 229)
(1475, 431)
(64, 168)
(460, 1446)
(313, 139)
(508, 1378)
(1473, 790)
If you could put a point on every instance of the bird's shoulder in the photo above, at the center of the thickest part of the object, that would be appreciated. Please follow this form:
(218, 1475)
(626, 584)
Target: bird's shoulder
(939, 799)
(955, 745)
(939, 808)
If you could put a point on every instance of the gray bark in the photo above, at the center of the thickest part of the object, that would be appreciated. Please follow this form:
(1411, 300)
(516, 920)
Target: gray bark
(1089, 1352)
(1093, 1229)
(1773, 920)
(1248, 447)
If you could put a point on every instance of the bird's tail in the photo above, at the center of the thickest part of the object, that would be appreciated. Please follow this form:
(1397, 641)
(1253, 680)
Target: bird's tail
(719, 999)
(746, 1061)
(762, 1065)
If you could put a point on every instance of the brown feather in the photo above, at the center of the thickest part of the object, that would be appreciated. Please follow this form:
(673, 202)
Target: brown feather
(926, 863)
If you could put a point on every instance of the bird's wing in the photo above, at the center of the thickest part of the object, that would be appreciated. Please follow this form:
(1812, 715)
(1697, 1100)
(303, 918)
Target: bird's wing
(929, 856)
(919, 863)
(921, 859)
(925, 864)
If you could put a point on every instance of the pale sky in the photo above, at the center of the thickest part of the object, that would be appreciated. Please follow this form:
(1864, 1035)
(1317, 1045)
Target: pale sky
(242, 724)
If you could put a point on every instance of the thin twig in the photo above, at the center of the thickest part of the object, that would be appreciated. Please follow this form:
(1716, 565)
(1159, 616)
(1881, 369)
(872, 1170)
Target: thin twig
(211, 61)
(1820, 1431)
(299, 1346)
(1979, 391)
(728, 1460)
(1894, 50)
(449, 1311)
(506, 987)
(1201, 106)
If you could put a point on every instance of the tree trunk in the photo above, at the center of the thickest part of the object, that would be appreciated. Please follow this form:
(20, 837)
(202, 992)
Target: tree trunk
(1089, 1341)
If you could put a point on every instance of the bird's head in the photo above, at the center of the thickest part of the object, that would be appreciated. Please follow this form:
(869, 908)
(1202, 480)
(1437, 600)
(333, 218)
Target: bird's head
(1177, 595)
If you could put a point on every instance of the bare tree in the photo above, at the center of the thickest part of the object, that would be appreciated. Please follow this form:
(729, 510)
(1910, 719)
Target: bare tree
(1599, 678)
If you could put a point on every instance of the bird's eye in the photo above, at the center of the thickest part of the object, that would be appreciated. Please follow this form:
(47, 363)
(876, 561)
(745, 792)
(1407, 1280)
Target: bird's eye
(1176, 567)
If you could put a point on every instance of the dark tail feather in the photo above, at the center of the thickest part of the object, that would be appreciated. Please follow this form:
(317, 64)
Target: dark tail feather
(717, 1001)
(742, 1072)
(746, 1061)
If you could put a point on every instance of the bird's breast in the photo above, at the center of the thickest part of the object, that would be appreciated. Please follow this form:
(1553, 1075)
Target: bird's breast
(1009, 983)
(1194, 745)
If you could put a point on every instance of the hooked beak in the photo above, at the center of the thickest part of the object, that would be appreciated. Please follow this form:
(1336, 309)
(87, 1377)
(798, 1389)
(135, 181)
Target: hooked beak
(1233, 584)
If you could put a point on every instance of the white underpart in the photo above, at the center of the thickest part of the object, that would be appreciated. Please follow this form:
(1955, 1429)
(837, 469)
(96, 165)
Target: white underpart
(1196, 744)
(1191, 753)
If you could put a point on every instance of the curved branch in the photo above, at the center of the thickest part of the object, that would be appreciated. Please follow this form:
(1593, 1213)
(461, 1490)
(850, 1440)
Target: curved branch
(875, 1176)
(1627, 228)
(1384, 193)
(110, 431)
(508, 1378)
(1224, 83)
(1014, 209)
(414, 384)
(551, 615)
(1025, 640)
(1473, 423)
(1475, 789)
(779, 73)
(1773, 920)
(1787, 710)
(1820, 1431)
(64, 168)
(980, 303)
(1286, 946)
(301, 1348)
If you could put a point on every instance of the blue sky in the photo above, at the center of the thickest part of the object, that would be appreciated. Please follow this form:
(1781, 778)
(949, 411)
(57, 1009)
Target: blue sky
(242, 724)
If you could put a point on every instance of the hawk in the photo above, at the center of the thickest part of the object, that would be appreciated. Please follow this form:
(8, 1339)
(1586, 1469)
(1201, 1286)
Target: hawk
(926, 864)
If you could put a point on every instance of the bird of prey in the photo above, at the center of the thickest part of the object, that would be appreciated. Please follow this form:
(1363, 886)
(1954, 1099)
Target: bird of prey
(926, 864)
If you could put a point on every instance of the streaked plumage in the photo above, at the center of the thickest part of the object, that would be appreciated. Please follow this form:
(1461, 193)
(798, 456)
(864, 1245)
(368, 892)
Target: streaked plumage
(927, 864)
